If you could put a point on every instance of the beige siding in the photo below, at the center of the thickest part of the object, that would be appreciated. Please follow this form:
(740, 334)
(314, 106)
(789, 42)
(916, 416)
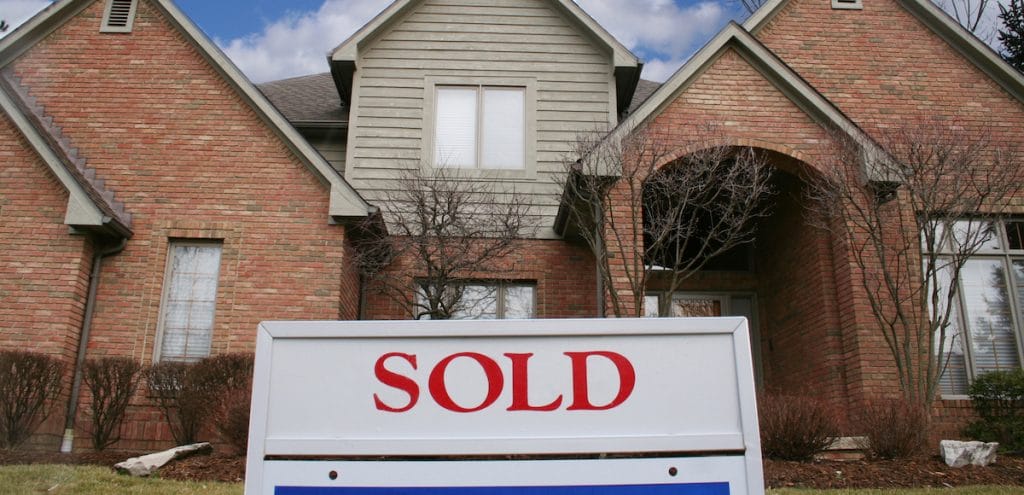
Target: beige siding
(476, 39)
(330, 143)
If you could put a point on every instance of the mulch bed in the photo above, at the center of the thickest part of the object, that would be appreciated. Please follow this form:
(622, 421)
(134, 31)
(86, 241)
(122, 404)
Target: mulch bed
(920, 472)
(909, 473)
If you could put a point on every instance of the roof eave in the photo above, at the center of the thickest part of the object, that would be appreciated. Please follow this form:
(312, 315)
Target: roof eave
(936, 19)
(36, 28)
(80, 212)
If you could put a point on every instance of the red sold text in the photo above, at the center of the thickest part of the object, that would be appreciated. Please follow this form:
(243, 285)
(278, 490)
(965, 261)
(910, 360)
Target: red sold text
(496, 380)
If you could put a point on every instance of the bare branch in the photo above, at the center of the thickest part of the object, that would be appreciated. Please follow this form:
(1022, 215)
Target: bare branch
(443, 228)
(910, 230)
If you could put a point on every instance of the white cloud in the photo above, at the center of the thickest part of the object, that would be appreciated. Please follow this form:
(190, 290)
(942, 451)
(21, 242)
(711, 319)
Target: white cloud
(988, 27)
(660, 26)
(661, 30)
(16, 12)
(660, 70)
(298, 43)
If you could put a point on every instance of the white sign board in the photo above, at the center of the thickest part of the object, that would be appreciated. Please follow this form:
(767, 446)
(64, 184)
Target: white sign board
(674, 395)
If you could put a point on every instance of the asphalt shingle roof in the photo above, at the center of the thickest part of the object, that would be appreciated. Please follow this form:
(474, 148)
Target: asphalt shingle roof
(644, 90)
(307, 99)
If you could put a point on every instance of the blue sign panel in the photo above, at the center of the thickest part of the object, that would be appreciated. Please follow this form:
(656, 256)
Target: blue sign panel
(676, 489)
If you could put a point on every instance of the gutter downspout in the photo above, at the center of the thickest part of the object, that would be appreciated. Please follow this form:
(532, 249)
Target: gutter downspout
(83, 343)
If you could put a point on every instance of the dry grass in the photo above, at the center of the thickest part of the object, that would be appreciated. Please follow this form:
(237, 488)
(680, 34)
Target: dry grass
(92, 480)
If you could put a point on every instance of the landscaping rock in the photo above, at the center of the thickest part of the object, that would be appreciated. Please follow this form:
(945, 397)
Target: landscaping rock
(148, 464)
(959, 454)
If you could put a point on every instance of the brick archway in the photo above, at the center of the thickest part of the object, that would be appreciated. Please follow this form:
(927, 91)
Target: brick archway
(791, 283)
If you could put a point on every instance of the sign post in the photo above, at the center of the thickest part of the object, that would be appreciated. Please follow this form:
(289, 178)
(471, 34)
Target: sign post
(611, 406)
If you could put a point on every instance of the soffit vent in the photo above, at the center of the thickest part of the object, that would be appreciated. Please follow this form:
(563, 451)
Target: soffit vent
(118, 16)
(848, 4)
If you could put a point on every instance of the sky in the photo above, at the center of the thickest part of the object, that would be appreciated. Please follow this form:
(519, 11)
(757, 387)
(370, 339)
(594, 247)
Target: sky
(275, 39)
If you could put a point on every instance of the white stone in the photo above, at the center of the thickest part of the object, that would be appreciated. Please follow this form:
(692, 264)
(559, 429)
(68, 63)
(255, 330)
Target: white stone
(148, 464)
(959, 454)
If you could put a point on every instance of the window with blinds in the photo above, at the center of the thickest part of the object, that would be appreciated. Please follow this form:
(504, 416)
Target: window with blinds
(986, 334)
(480, 127)
(189, 301)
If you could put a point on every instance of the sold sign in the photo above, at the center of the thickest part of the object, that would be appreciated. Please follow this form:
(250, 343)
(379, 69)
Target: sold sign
(444, 401)
(491, 371)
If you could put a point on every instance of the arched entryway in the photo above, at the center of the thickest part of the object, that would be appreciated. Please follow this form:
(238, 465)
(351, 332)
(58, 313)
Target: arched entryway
(784, 282)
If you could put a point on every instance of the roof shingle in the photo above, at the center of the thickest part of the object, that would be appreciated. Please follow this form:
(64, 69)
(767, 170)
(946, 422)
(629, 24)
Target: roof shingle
(309, 99)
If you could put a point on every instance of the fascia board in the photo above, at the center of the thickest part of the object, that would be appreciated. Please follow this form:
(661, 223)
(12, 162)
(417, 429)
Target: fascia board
(349, 49)
(764, 61)
(37, 28)
(762, 15)
(344, 200)
(81, 210)
(972, 48)
(622, 56)
(947, 28)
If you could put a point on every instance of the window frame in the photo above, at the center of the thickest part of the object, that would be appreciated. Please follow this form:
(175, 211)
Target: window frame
(429, 148)
(1006, 256)
(158, 344)
(501, 288)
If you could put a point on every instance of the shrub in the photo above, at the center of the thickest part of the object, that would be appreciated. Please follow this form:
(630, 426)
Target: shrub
(794, 427)
(998, 399)
(29, 382)
(215, 388)
(228, 381)
(112, 382)
(895, 429)
(180, 397)
(232, 417)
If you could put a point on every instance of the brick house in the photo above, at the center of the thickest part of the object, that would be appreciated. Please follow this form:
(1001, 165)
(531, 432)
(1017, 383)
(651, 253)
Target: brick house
(137, 160)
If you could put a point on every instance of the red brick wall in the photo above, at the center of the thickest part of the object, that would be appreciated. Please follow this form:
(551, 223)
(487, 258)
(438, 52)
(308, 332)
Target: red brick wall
(44, 271)
(190, 160)
(564, 274)
(797, 308)
(884, 68)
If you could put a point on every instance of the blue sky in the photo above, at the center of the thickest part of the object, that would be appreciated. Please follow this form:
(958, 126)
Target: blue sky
(274, 39)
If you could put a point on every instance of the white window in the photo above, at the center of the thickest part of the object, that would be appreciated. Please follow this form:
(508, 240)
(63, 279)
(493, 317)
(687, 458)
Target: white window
(189, 300)
(480, 127)
(985, 334)
(488, 301)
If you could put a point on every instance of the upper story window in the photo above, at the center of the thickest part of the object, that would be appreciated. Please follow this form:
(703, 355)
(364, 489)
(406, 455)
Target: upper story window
(189, 300)
(987, 329)
(481, 127)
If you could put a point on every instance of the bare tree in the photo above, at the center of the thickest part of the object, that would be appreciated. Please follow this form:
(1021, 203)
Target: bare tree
(442, 230)
(970, 14)
(642, 210)
(911, 221)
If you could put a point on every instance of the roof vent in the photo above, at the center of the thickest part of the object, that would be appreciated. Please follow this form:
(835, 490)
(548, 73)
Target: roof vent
(118, 16)
(847, 4)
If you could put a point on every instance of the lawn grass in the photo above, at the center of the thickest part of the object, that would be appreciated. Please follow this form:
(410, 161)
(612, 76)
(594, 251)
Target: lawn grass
(93, 480)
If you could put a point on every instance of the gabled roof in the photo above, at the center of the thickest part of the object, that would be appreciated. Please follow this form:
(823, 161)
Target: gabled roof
(345, 202)
(770, 66)
(940, 22)
(307, 101)
(343, 58)
(90, 205)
